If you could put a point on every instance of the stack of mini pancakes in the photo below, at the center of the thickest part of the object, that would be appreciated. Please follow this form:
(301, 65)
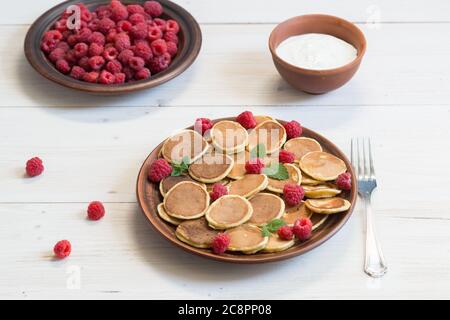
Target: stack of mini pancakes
(253, 200)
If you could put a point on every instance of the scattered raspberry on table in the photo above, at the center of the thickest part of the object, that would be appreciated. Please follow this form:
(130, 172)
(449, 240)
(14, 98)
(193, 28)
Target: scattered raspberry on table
(34, 167)
(95, 211)
(62, 249)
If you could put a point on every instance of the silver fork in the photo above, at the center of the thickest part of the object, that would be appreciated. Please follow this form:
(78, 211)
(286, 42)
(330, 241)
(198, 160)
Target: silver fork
(362, 160)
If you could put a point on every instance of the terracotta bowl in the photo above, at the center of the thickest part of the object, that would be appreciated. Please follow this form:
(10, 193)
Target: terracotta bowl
(190, 41)
(317, 81)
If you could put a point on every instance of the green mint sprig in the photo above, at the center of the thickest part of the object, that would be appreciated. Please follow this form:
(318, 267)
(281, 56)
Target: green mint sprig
(258, 152)
(276, 171)
(272, 227)
(180, 167)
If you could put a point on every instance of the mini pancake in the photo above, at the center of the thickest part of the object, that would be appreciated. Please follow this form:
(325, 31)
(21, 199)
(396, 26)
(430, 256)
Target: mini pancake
(322, 166)
(229, 137)
(212, 167)
(301, 146)
(196, 233)
(247, 239)
(238, 170)
(321, 191)
(163, 215)
(307, 180)
(187, 143)
(186, 200)
(228, 212)
(266, 207)
(249, 185)
(270, 133)
(275, 244)
(318, 220)
(261, 119)
(295, 177)
(328, 205)
(294, 213)
(168, 183)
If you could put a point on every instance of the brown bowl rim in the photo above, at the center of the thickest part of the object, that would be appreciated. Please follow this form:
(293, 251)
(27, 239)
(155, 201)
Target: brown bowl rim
(353, 64)
(157, 222)
(41, 64)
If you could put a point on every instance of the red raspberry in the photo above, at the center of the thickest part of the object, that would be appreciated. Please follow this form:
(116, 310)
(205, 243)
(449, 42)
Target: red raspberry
(93, 25)
(159, 47)
(61, 25)
(247, 120)
(105, 24)
(302, 229)
(129, 73)
(63, 66)
(103, 12)
(125, 56)
(124, 26)
(110, 54)
(34, 167)
(96, 63)
(143, 50)
(153, 8)
(139, 31)
(106, 78)
(62, 249)
(160, 23)
(172, 48)
(136, 18)
(218, 190)
(202, 125)
(285, 233)
(159, 170)
(293, 194)
(71, 57)
(56, 55)
(91, 77)
(135, 8)
(220, 243)
(84, 63)
(81, 50)
(122, 42)
(119, 13)
(114, 66)
(286, 156)
(95, 211)
(111, 37)
(136, 63)
(344, 181)
(154, 33)
(158, 64)
(293, 129)
(86, 16)
(63, 45)
(48, 45)
(170, 36)
(120, 78)
(98, 38)
(143, 74)
(172, 26)
(72, 40)
(254, 166)
(84, 34)
(53, 35)
(77, 72)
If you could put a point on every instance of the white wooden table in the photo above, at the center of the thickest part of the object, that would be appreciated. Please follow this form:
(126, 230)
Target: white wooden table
(93, 147)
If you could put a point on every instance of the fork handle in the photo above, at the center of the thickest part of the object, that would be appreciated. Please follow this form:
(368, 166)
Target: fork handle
(375, 265)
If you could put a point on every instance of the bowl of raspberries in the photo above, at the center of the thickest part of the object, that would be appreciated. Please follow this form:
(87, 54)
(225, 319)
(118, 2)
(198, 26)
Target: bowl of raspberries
(113, 46)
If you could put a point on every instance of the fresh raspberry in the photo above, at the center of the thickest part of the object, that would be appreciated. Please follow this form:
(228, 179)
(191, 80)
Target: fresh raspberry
(62, 249)
(136, 63)
(95, 211)
(254, 166)
(122, 42)
(71, 57)
(293, 129)
(96, 62)
(154, 33)
(98, 38)
(111, 36)
(202, 125)
(61, 25)
(48, 45)
(136, 18)
(170, 37)
(103, 11)
(172, 48)
(159, 170)
(125, 56)
(247, 120)
(93, 24)
(110, 54)
(143, 50)
(106, 78)
(114, 66)
(91, 77)
(105, 24)
(119, 13)
(81, 50)
(56, 55)
(72, 40)
(172, 26)
(139, 31)
(63, 45)
(63, 66)
(285, 233)
(153, 8)
(344, 181)
(135, 8)
(293, 194)
(120, 78)
(84, 63)
(84, 34)
(129, 73)
(143, 74)
(302, 229)
(220, 243)
(160, 23)
(77, 72)
(124, 26)
(53, 35)
(115, 4)
(218, 190)
(34, 167)
(86, 16)
(159, 47)
(286, 156)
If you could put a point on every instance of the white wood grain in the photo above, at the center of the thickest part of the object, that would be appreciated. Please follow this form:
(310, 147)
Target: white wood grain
(406, 64)
(123, 257)
(257, 11)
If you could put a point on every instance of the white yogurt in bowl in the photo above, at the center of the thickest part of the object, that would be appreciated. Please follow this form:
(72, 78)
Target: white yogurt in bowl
(316, 51)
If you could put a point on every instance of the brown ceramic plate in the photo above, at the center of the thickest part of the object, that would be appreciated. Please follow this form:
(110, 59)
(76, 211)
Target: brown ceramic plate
(149, 197)
(189, 47)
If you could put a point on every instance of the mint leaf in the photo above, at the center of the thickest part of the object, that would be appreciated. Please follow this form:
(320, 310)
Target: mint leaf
(258, 152)
(276, 171)
(265, 231)
(272, 227)
(179, 168)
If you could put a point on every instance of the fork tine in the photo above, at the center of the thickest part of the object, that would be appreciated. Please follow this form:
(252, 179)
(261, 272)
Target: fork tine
(366, 159)
(372, 169)
(353, 157)
(360, 161)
